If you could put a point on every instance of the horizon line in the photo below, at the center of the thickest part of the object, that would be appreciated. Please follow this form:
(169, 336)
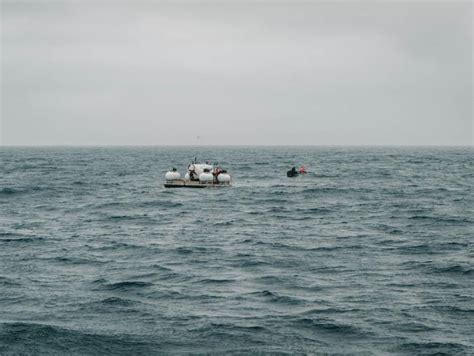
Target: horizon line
(230, 145)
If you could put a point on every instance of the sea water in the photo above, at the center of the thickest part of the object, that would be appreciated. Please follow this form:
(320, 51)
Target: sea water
(371, 252)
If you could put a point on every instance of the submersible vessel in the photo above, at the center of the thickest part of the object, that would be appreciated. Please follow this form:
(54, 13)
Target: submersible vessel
(199, 175)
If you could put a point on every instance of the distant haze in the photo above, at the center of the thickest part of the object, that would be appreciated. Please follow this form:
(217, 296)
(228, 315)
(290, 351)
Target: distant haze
(156, 73)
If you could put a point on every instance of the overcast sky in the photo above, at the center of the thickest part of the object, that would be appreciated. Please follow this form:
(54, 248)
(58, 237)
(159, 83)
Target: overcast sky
(320, 73)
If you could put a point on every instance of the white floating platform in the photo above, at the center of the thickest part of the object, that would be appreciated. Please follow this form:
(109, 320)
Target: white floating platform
(182, 183)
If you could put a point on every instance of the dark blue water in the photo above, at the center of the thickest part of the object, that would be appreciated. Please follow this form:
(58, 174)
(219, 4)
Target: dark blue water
(371, 253)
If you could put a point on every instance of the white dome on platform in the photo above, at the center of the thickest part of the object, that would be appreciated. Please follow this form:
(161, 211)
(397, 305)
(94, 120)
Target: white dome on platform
(206, 177)
(223, 178)
(172, 175)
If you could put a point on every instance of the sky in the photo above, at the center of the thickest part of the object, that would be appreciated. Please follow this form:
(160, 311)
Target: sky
(236, 73)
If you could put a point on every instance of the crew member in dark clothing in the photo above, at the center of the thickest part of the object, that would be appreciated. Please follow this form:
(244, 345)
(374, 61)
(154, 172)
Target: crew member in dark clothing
(292, 172)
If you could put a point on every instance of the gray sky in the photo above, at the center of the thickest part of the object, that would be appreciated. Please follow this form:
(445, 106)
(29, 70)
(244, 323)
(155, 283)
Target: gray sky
(155, 73)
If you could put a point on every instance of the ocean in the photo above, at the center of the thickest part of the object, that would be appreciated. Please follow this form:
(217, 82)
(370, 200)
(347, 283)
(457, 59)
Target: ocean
(369, 253)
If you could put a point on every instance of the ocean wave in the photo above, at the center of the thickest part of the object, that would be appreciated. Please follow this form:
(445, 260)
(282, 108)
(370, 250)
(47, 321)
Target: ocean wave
(439, 219)
(101, 284)
(216, 281)
(8, 282)
(225, 223)
(453, 309)
(413, 327)
(116, 301)
(336, 190)
(35, 338)
(184, 250)
(168, 204)
(9, 191)
(228, 330)
(275, 297)
(432, 348)
(312, 211)
(161, 268)
(76, 260)
(250, 262)
(329, 326)
(453, 269)
(114, 245)
(329, 310)
(108, 305)
(270, 279)
(123, 217)
(424, 248)
(14, 237)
